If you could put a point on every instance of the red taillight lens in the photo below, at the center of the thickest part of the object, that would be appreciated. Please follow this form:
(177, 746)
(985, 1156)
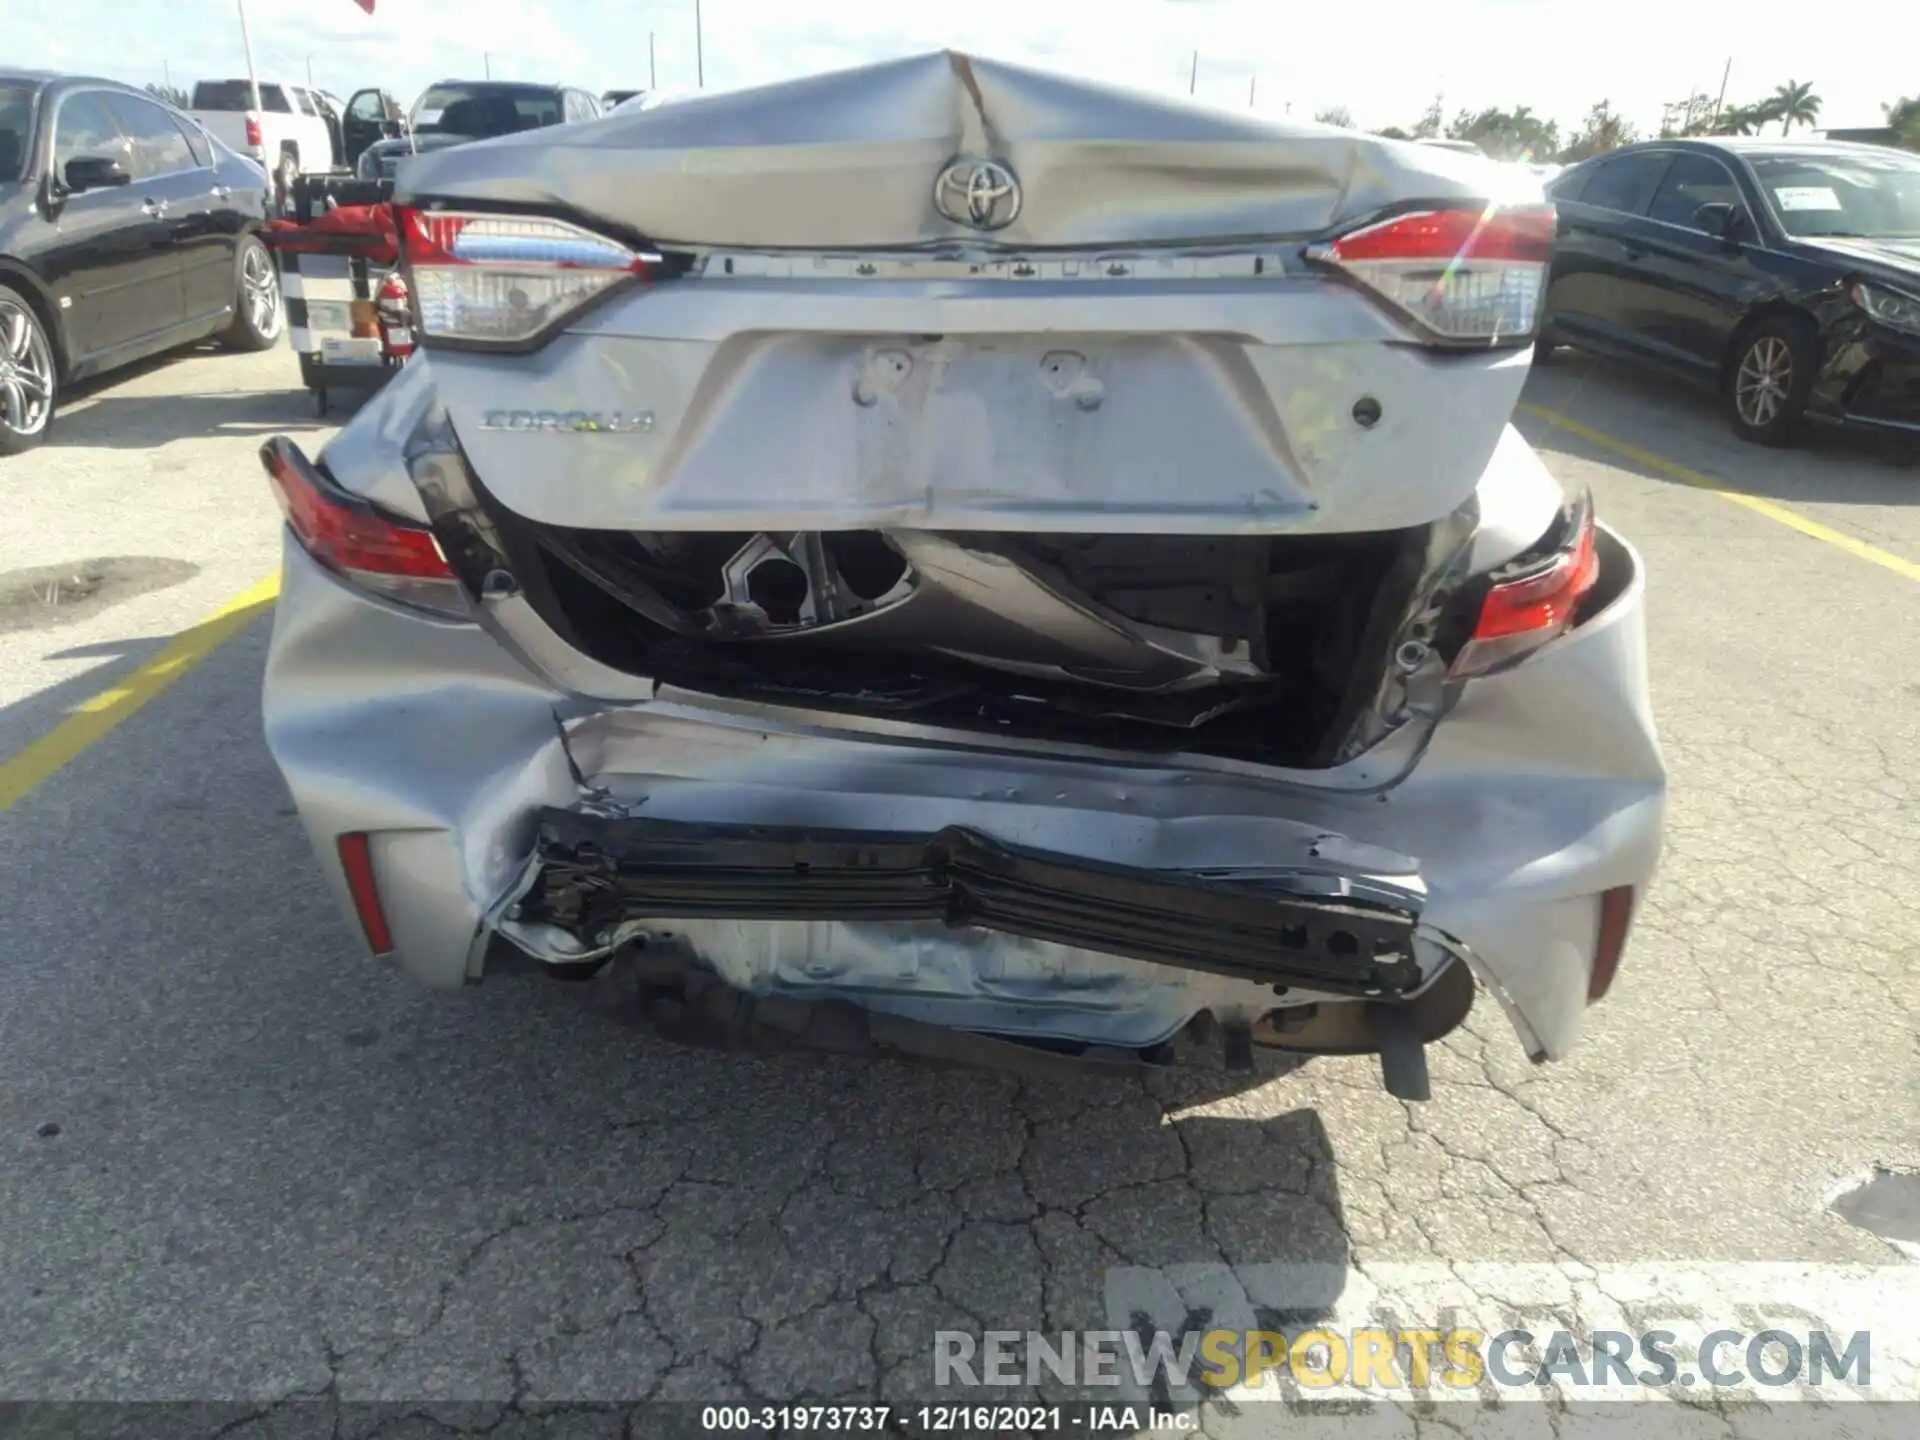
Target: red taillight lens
(1523, 611)
(1463, 275)
(1616, 917)
(1545, 601)
(253, 132)
(507, 280)
(397, 560)
(342, 532)
(356, 859)
(1523, 234)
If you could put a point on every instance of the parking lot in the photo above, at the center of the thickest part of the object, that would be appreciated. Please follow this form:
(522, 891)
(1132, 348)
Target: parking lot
(241, 1160)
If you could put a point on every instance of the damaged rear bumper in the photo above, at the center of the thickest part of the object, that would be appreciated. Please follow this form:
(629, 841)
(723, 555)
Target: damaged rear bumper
(1489, 842)
(593, 876)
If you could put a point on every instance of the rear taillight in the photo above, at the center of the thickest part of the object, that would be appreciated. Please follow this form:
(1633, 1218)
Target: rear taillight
(357, 542)
(253, 132)
(1462, 275)
(1535, 599)
(508, 280)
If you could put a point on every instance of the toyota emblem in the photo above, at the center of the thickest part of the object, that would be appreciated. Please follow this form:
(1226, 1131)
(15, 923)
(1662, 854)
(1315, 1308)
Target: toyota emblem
(980, 193)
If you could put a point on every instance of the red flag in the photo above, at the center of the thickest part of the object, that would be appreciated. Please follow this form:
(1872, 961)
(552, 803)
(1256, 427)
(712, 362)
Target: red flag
(366, 5)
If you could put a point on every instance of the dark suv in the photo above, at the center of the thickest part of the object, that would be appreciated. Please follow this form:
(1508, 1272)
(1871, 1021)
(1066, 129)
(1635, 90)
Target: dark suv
(458, 112)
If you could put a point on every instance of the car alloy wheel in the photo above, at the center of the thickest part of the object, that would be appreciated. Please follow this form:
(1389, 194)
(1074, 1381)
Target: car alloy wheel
(260, 292)
(1764, 382)
(26, 373)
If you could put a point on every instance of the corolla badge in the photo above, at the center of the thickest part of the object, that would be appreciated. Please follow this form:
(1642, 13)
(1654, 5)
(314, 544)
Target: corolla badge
(981, 193)
(569, 422)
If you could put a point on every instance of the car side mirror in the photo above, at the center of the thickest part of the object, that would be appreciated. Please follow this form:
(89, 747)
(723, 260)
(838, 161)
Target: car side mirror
(95, 172)
(1718, 217)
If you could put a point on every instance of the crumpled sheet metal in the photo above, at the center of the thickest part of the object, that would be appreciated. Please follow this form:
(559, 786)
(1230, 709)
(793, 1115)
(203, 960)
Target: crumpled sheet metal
(850, 158)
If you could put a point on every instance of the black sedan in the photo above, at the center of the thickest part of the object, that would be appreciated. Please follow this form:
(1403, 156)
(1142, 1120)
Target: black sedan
(125, 229)
(1785, 275)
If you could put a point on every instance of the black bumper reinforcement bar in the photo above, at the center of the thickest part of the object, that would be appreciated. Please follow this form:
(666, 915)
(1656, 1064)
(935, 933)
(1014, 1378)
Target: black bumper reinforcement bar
(597, 871)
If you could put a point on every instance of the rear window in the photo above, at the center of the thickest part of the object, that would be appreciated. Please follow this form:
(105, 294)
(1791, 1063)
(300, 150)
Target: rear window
(484, 111)
(16, 124)
(236, 95)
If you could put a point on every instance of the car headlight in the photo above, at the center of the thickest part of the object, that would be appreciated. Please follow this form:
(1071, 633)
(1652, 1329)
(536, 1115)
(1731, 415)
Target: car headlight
(1889, 307)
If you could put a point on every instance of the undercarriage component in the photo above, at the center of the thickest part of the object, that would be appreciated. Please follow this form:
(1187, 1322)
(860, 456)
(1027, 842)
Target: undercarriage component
(595, 873)
(1397, 1031)
(663, 986)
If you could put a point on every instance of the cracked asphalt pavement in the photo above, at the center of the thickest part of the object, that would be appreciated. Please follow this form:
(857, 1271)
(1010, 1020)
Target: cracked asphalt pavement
(240, 1161)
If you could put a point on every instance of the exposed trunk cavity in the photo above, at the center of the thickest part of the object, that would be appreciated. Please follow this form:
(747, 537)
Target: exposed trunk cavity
(1266, 648)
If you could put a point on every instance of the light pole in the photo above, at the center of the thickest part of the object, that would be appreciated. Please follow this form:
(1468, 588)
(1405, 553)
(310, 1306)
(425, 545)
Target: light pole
(1193, 75)
(699, 49)
(653, 75)
(246, 44)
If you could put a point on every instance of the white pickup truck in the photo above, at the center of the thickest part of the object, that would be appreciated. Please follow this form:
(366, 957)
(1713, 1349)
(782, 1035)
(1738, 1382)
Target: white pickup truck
(295, 130)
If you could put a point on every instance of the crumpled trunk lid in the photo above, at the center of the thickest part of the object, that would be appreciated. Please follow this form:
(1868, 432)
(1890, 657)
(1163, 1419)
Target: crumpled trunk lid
(849, 159)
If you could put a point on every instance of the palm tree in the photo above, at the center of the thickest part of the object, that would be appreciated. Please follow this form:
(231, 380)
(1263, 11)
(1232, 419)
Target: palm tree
(1903, 118)
(1795, 104)
(1747, 119)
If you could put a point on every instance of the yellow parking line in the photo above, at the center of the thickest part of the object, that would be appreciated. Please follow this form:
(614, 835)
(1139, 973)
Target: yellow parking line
(92, 719)
(1791, 519)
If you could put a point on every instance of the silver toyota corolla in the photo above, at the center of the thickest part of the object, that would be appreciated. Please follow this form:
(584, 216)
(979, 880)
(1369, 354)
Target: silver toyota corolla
(1036, 568)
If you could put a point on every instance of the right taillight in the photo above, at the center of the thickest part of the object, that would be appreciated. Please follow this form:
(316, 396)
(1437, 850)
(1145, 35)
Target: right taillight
(1535, 599)
(507, 281)
(253, 132)
(1466, 275)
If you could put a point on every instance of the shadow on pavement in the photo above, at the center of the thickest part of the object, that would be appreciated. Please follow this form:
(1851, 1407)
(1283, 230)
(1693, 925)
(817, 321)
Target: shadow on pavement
(1688, 427)
(28, 718)
(142, 422)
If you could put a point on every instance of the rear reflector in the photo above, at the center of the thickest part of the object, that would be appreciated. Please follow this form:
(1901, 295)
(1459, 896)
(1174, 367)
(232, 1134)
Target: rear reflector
(356, 859)
(1616, 915)
(1462, 275)
(1523, 611)
(507, 280)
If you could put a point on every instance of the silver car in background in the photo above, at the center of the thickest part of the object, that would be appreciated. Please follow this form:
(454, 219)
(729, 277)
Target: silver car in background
(1013, 566)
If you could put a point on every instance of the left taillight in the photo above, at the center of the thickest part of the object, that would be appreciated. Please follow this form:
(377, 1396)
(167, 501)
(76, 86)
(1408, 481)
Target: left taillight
(356, 541)
(1463, 275)
(1534, 599)
(508, 281)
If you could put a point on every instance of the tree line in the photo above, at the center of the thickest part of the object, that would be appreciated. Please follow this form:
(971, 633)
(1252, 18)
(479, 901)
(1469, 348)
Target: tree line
(1519, 134)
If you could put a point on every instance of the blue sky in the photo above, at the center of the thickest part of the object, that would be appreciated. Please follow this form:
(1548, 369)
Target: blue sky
(1383, 60)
